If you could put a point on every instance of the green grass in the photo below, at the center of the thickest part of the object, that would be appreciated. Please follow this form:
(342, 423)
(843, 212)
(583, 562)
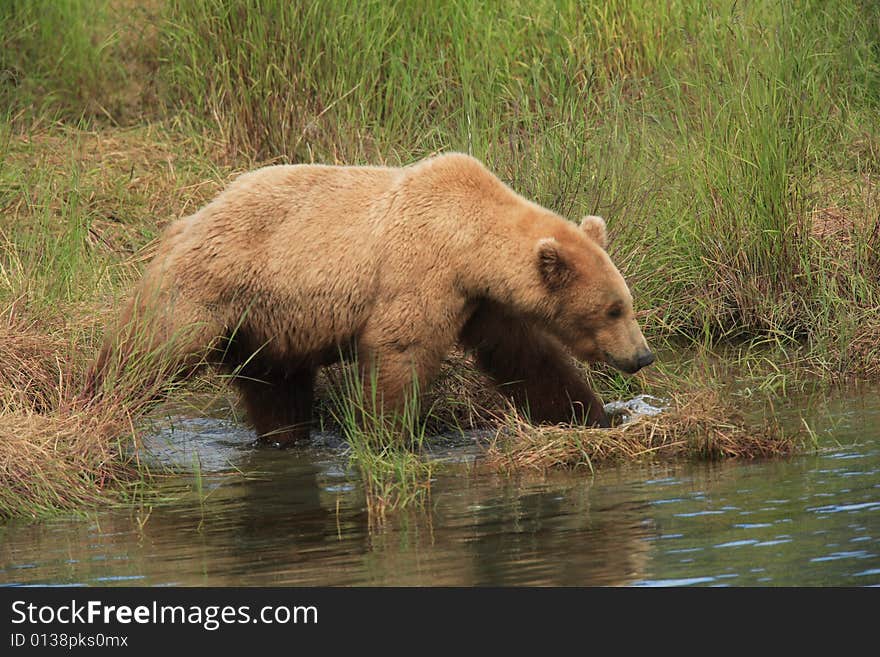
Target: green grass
(733, 148)
(74, 60)
(387, 446)
(718, 138)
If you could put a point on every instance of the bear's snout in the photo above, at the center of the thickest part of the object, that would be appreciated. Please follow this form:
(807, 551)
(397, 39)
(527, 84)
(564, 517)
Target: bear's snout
(644, 360)
(631, 365)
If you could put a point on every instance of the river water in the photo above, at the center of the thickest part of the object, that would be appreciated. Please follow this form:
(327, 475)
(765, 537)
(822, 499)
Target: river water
(298, 517)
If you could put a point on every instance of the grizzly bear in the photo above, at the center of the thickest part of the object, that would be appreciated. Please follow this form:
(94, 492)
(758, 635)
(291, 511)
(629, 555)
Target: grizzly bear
(294, 267)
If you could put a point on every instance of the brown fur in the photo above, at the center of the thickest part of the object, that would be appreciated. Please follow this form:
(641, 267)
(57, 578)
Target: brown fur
(293, 265)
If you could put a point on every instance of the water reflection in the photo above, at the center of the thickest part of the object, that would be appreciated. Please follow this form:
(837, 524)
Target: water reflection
(263, 517)
(292, 523)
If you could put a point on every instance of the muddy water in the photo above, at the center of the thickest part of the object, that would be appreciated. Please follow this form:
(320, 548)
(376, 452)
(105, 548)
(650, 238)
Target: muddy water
(262, 517)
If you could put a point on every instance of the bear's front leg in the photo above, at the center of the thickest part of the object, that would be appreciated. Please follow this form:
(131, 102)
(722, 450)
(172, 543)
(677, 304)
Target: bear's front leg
(401, 349)
(279, 405)
(391, 376)
(531, 368)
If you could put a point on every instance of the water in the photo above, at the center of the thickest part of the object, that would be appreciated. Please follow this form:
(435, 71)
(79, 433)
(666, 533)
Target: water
(299, 518)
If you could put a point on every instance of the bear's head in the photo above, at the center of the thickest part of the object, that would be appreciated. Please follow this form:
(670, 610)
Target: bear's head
(590, 305)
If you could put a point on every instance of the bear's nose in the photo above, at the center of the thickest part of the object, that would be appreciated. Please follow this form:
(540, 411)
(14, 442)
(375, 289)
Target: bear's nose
(645, 359)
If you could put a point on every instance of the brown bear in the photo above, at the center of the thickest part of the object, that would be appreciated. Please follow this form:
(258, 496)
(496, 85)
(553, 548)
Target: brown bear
(294, 266)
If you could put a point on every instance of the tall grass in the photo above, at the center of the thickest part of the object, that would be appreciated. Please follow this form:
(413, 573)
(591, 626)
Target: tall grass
(47, 259)
(708, 133)
(395, 80)
(732, 146)
(52, 57)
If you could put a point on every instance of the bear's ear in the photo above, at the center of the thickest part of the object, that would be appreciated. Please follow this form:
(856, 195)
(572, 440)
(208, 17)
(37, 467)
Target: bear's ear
(554, 269)
(594, 227)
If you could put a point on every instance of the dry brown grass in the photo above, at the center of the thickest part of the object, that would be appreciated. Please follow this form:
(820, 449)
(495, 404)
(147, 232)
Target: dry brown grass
(700, 425)
(462, 396)
(142, 175)
(59, 449)
(62, 460)
(33, 367)
(54, 452)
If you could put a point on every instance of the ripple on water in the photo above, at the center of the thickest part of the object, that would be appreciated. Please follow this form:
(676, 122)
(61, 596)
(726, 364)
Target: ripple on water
(778, 541)
(749, 541)
(846, 508)
(683, 581)
(697, 514)
(835, 556)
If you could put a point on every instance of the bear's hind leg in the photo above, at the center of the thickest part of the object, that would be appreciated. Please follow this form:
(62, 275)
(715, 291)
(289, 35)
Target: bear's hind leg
(279, 404)
(531, 368)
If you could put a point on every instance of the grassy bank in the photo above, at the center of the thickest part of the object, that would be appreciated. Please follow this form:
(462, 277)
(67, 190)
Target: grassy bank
(732, 147)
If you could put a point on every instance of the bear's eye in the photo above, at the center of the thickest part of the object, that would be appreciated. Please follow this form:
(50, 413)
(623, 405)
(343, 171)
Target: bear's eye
(615, 312)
